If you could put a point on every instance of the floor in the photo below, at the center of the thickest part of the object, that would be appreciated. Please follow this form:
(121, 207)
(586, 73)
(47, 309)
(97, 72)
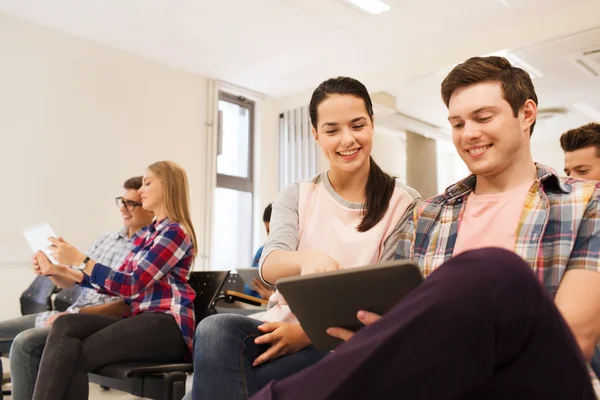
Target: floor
(97, 393)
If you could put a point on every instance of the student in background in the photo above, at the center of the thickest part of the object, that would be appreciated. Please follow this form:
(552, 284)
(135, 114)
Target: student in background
(26, 336)
(582, 160)
(153, 280)
(256, 287)
(482, 325)
(346, 217)
(582, 152)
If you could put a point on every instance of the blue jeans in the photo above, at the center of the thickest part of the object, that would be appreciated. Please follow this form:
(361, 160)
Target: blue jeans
(25, 343)
(224, 350)
(11, 328)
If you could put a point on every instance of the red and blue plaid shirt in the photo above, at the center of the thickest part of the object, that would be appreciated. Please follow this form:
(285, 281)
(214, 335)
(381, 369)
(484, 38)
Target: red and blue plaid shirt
(559, 228)
(154, 276)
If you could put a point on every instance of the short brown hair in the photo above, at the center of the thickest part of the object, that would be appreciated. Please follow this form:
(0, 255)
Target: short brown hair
(579, 138)
(134, 183)
(516, 83)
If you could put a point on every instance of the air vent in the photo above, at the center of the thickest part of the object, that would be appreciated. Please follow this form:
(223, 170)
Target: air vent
(588, 61)
(551, 112)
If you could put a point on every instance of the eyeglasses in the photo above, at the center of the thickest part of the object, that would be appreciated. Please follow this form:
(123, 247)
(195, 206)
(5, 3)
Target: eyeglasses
(128, 204)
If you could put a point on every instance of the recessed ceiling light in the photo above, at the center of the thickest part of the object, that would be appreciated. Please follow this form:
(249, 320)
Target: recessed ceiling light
(371, 6)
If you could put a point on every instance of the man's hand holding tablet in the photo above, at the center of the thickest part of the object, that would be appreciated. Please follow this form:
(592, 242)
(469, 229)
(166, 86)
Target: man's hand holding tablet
(365, 317)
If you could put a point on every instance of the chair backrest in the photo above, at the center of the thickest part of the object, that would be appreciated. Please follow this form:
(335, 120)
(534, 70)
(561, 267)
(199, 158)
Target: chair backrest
(38, 296)
(207, 285)
(234, 282)
(66, 297)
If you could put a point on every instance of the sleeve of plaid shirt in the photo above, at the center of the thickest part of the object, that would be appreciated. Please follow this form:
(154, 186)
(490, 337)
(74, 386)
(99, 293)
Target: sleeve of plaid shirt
(94, 252)
(406, 237)
(586, 251)
(168, 248)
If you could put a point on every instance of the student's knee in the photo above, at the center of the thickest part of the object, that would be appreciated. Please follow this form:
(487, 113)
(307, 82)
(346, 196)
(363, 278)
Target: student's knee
(221, 333)
(494, 264)
(482, 272)
(210, 328)
(27, 343)
(21, 343)
(65, 324)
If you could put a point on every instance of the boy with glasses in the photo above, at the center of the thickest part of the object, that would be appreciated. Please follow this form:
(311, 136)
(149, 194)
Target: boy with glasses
(26, 336)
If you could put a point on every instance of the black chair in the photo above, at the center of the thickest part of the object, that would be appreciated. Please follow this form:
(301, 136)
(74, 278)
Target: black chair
(66, 297)
(234, 282)
(4, 392)
(233, 291)
(163, 381)
(38, 296)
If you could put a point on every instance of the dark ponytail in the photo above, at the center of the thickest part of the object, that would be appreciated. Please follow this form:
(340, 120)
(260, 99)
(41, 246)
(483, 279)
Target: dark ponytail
(380, 186)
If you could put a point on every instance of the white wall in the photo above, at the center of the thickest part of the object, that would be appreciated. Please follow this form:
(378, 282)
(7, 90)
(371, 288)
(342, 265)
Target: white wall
(77, 119)
(550, 153)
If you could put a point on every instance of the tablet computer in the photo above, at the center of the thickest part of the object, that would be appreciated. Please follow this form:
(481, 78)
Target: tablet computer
(332, 299)
(248, 274)
(37, 238)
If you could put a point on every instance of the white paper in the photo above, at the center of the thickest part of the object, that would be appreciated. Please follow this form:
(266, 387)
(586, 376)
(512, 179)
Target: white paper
(37, 238)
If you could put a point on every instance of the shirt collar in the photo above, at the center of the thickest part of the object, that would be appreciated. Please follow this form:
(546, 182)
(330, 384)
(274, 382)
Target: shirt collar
(124, 231)
(158, 225)
(545, 175)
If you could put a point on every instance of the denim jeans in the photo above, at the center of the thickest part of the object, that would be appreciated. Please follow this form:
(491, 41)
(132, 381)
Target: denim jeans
(11, 328)
(24, 356)
(224, 350)
(82, 343)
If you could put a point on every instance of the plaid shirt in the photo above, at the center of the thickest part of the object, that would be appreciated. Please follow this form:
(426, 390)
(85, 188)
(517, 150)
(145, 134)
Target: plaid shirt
(154, 276)
(109, 249)
(559, 228)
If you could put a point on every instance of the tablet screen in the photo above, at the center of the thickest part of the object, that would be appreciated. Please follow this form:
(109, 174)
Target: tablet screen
(37, 238)
(248, 274)
(329, 299)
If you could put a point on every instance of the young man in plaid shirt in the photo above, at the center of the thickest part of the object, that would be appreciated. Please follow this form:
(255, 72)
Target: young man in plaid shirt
(482, 325)
(28, 334)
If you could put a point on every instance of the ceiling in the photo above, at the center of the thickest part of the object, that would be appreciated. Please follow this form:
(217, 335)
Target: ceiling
(283, 47)
(566, 89)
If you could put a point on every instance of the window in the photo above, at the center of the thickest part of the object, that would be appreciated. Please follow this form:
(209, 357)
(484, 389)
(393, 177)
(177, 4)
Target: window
(297, 147)
(232, 227)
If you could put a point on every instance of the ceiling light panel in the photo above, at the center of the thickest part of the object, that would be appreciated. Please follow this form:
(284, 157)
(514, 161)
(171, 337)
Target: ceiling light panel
(371, 6)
